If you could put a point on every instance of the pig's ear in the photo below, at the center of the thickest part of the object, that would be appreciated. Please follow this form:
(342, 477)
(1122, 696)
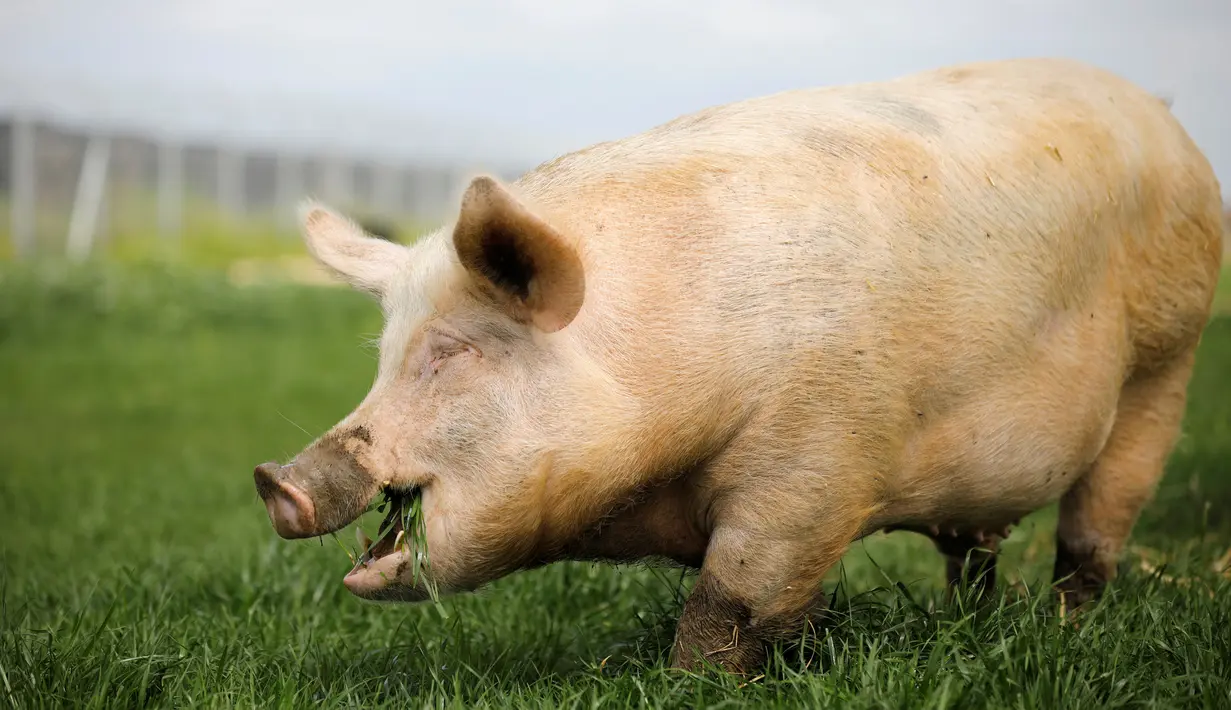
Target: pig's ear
(529, 264)
(340, 245)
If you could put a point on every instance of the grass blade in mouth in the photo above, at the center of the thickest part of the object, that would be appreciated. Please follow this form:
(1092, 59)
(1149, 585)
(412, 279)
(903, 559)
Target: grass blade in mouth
(403, 524)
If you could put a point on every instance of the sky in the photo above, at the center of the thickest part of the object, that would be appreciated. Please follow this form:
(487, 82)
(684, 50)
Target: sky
(525, 80)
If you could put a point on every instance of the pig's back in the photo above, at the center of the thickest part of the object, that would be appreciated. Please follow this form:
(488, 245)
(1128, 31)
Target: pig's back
(972, 203)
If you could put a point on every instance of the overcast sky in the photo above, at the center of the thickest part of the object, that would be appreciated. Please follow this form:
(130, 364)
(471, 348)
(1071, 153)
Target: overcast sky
(537, 77)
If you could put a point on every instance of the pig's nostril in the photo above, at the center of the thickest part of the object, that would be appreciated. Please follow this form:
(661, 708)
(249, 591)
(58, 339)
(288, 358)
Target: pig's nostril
(266, 478)
(290, 509)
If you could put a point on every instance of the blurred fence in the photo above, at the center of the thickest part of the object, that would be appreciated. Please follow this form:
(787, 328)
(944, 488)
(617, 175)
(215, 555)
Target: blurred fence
(68, 190)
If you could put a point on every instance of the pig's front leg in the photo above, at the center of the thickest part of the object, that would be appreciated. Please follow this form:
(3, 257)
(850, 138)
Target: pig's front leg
(755, 589)
(716, 627)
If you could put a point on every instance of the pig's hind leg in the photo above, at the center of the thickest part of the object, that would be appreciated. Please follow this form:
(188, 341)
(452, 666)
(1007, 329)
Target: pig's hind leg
(1099, 511)
(970, 559)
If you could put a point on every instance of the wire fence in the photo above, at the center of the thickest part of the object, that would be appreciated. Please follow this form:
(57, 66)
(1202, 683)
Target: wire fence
(68, 190)
(83, 163)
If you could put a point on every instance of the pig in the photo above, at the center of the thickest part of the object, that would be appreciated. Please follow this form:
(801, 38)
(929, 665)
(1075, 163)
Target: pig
(744, 339)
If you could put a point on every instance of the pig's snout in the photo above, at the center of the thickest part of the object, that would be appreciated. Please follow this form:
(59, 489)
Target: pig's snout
(290, 509)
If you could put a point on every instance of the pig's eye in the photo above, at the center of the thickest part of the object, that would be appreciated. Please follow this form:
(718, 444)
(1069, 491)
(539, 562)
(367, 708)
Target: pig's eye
(441, 348)
(438, 359)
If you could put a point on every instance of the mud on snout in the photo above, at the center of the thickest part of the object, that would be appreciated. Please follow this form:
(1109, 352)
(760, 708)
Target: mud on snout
(324, 490)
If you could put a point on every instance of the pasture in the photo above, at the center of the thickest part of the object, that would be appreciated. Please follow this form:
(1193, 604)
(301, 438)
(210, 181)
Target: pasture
(139, 568)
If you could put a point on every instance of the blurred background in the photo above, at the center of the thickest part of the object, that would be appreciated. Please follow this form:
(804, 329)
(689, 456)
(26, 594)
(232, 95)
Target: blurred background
(132, 126)
(162, 331)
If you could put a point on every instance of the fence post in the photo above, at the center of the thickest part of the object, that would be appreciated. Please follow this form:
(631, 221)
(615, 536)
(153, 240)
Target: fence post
(170, 189)
(388, 189)
(421, 201)
(339, 182)
(231, 180)
(23, 191)
(91, 183)
(288, 187)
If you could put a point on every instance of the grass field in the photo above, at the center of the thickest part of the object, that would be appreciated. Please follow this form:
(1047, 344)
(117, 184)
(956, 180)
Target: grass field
(139, 568)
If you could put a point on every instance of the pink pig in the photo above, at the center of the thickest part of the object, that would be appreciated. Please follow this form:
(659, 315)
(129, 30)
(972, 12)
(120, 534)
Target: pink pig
(744, 339)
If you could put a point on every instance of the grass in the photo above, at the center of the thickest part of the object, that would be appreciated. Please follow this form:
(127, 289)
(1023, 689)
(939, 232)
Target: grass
(1222, 297)
(139, 568)
(209, 236)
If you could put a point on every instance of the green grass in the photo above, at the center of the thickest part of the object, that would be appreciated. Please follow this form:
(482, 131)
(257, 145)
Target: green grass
(1222, 297)
(139, 568)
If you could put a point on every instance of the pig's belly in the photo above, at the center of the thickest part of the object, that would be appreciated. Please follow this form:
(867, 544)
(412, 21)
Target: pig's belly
(997, 460)
(1016, 446)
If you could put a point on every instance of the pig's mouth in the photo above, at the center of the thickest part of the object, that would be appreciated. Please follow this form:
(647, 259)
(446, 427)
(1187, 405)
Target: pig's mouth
(392, 530)
(392, 568)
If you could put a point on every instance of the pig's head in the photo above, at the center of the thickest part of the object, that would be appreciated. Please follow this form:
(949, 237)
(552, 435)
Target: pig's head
(475, 389)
